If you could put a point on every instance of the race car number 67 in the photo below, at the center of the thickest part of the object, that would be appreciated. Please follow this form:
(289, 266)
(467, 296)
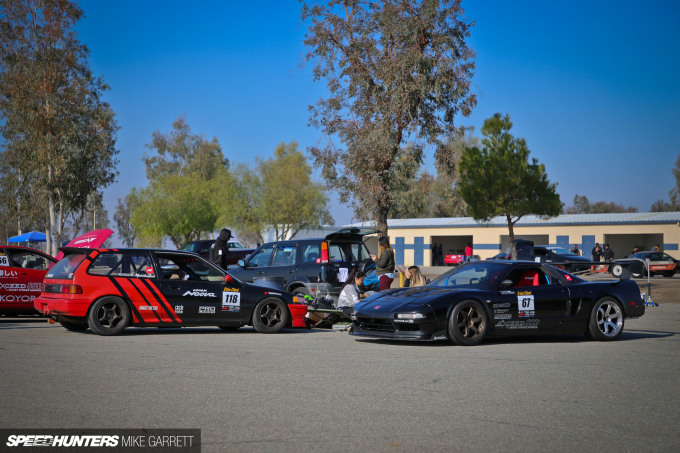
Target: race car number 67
(526, 303)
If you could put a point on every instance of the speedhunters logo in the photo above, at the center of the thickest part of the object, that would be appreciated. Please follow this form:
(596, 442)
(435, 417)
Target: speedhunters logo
(121, 440)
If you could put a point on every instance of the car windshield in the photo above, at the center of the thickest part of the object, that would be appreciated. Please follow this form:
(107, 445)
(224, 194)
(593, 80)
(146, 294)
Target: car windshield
(191, 247)
(66, 266)
(561, 251)
(480, 275)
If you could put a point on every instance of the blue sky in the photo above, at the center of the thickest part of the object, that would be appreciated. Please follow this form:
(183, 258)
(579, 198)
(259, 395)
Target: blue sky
(593, 87)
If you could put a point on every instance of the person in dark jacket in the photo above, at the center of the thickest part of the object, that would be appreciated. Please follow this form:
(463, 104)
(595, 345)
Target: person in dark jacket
(220, 250)
(384, 263)
(608, 254)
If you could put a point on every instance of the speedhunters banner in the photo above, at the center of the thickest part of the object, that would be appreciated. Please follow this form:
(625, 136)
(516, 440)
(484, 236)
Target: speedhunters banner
(101, 440)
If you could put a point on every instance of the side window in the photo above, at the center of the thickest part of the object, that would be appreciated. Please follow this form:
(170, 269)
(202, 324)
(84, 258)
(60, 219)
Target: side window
(28, 260)
(335, 253)
(205, 248)
(137, 264)
(358, 251)
(528, 277)
(285, 256)
(261, 258)
(183, 267)
(311, 253)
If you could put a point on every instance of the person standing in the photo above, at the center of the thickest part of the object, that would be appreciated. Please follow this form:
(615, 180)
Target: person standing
(219, 251)
(468, 252)
(608, 253)
(384, 263)
(575, 250)
(440, 255)
(596, 254)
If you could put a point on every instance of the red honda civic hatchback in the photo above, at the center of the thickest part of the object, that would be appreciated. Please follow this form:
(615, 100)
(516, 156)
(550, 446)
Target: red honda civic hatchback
(108, 290)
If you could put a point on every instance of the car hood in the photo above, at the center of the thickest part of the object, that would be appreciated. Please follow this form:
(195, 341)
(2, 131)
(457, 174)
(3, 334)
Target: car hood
(404, 299)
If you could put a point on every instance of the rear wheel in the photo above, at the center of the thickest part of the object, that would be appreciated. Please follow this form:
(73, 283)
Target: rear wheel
(606, 320)
(74, 326)
(468, 323)
(270, 316)
(301, 292)
(109, 316)
(669, 273)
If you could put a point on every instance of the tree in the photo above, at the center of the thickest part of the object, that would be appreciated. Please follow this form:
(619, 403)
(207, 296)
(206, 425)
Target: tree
(176, 206)
(499, 180)
(280, 194)
(123, 218)
(59, 135)
(583, 206)
(397, 72)
(189, 188)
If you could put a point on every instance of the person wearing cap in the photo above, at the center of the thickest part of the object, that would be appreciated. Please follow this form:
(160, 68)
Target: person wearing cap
(608, 254)
(220, 249)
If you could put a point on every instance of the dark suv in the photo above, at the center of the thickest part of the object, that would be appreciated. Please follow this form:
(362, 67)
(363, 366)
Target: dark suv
(307, 267)
(202, 247)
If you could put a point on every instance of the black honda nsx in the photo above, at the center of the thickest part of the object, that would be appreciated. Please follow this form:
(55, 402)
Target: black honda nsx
(500, 298)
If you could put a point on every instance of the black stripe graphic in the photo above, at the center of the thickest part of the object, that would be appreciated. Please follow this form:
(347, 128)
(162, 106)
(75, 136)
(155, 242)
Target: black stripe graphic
(159, 300)
(129, 280)
(130, 304)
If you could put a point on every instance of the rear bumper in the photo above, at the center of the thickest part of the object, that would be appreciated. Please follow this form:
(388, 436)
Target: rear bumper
(76, 308)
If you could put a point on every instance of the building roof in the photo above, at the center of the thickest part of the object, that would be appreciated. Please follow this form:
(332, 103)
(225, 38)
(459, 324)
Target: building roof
(531, 220)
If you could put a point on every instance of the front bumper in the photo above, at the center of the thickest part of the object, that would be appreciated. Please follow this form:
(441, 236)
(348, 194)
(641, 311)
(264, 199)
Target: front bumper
(390, 329)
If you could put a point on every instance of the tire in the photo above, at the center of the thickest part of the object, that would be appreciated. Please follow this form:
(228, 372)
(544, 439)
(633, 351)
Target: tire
(270, 316)
(468, 323)
(74, 326)
(229, 328)
(617, 270)
(109, 316)
(669, 273)
(606, 320)
(301, 292)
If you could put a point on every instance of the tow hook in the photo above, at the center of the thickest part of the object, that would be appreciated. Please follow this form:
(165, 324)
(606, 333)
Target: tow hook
(51, 321)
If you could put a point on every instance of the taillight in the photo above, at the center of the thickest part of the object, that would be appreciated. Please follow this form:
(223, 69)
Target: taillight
(63, 289)
(324, 252)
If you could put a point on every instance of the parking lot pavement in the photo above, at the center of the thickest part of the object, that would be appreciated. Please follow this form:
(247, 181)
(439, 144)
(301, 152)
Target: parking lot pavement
(325, 391)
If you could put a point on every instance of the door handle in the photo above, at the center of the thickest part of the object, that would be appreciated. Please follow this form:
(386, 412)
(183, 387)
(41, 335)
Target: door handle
(291, 271)
(174, 287)
(261, 273)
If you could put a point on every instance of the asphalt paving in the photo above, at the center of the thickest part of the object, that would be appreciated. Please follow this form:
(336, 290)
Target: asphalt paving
(323, 390)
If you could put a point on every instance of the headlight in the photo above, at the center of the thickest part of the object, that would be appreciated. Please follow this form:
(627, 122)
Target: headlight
(410, 316)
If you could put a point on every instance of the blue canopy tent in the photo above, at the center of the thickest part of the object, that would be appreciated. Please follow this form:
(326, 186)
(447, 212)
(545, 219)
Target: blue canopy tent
(32, 236)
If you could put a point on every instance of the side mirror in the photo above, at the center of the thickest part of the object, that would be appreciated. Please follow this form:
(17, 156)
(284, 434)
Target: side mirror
(506, 283)
(241, 263)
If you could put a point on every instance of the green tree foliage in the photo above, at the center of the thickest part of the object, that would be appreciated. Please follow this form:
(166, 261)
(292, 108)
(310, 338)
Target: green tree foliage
(123, 218)
(498, 179)
(59, 135)
(176, 206)
(189, 188)
(280, 194)
(397, 72)
(674, 194)
(427, 196)
(180, 152)
(583, 206)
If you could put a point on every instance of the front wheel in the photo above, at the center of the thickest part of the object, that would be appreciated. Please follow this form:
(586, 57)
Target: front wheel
(606, 320)
(468, 323)
(109, 316)
(270, 316)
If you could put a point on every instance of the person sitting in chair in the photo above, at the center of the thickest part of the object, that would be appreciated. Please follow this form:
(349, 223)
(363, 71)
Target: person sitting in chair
(349, 295)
